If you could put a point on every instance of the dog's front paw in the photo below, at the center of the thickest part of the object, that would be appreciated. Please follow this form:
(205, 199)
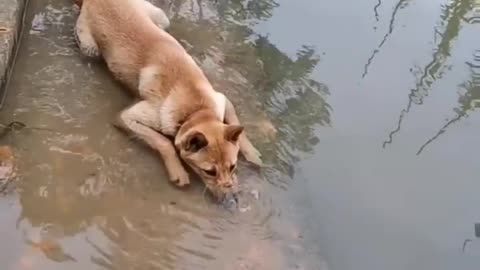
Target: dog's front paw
(252, 155)
(178, 175)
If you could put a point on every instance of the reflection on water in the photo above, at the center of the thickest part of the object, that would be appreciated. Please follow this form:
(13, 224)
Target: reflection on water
(451, 21)
(89, 197)
(469, 99)
(330, 198)
(268, 85)
(400, 5)
(375, 10)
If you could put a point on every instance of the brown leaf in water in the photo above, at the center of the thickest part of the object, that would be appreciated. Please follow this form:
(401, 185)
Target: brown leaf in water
(52, 250)
(7, 172)
(47, 246)
(6, 154)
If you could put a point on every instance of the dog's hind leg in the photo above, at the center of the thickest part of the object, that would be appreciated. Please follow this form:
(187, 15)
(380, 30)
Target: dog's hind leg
(141, 120)
(84, 38)
(157, 15)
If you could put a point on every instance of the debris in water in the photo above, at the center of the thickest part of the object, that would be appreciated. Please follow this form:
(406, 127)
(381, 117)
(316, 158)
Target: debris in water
(465, 244)
(244, 209)
(38, 23)
(5, 129)
(230, 204)
(52, 250)
(7, 172)
(255, 193)
(6, 154)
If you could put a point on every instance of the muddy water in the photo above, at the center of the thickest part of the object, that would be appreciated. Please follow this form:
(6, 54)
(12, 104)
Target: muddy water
(366, 112)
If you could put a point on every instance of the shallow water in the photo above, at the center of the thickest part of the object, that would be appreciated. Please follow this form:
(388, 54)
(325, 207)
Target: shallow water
(373, 155)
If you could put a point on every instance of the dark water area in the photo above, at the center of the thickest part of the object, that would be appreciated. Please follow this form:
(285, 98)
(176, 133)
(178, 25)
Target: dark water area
(366, 113)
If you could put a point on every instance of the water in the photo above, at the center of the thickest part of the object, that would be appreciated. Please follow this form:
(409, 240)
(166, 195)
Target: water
(372, 158)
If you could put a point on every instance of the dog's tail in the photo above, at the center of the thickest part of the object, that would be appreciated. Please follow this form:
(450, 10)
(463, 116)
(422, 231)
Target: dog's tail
(78, 2)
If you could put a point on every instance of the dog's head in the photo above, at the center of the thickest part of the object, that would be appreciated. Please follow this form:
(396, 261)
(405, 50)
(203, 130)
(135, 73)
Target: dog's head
(211, 149)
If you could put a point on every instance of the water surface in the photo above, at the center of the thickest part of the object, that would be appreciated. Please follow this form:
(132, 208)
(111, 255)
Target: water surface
(364, 110)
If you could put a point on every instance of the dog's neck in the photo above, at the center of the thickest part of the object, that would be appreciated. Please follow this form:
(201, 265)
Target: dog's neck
(203, 115)
(209, 108)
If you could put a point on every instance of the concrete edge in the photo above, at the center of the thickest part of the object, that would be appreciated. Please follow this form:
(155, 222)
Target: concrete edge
(12, 20)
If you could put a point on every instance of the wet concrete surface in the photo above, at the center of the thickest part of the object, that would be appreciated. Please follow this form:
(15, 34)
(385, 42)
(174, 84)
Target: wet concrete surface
(11, 18)
(89, 197)
(365, 111)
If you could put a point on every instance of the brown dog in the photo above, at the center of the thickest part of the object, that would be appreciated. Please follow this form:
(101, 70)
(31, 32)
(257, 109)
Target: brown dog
(175, 97)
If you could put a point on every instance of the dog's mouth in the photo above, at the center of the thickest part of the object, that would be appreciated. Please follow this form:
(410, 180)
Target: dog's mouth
(222, 194)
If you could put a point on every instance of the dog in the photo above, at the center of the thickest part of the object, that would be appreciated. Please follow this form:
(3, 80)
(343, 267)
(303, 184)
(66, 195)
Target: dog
(178, 113)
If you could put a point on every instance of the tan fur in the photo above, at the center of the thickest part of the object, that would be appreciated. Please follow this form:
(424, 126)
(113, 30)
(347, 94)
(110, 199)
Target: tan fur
(176, 99)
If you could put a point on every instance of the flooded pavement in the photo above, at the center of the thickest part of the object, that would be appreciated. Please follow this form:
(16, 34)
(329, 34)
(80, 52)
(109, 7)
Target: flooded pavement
(365, 111)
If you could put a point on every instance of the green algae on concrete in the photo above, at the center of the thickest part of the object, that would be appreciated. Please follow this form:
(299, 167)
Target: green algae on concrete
(11, 17)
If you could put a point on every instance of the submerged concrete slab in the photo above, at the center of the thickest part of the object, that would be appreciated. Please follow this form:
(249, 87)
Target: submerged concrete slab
(11, 17)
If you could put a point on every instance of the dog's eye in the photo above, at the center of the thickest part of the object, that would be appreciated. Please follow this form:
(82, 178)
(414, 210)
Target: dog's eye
(211, 172)
(232, 167)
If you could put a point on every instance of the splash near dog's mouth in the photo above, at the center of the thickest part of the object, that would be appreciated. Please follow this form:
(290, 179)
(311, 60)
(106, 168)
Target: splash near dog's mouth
(230, 201)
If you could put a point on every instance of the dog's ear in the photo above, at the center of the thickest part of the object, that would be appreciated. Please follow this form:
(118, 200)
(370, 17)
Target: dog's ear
(194, 142)
(233, 132)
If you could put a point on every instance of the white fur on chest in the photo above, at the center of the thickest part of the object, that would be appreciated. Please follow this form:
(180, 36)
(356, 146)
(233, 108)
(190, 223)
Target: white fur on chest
(167, 120)
(220, 104)
(147, 78)
(169, 106)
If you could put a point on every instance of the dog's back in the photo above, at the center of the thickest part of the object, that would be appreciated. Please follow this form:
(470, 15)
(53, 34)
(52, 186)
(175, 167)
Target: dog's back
(129, 41)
